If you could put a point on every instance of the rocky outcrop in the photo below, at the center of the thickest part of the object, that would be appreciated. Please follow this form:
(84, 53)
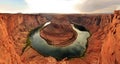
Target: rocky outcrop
(103, 45)
(59, 32)
(8, 54)
(110, 50)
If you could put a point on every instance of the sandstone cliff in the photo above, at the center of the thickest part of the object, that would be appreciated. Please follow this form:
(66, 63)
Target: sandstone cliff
(103, 45)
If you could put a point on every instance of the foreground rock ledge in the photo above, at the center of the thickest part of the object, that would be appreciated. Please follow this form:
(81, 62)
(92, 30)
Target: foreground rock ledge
(103, 45)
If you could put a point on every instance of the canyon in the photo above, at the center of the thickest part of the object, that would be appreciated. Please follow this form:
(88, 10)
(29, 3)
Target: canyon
(103, 44)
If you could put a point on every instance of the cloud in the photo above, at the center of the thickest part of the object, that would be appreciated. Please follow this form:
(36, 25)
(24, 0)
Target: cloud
(109, 9)
(94, 5)
(53, 6)
(59, 6)
(73, 6)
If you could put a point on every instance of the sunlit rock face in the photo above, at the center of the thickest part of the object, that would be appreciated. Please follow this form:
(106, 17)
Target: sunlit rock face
(59, 39)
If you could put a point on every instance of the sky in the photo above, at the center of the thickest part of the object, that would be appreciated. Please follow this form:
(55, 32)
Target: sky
(59, 6)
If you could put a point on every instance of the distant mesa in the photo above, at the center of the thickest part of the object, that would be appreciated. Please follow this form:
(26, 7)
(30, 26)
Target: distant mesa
(117, 12)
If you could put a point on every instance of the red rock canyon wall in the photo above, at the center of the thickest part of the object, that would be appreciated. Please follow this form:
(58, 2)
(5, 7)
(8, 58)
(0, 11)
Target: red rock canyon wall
(103, 45)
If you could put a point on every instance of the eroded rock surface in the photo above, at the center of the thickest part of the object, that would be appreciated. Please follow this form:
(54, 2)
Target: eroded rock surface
(103, 45)
(59, 32)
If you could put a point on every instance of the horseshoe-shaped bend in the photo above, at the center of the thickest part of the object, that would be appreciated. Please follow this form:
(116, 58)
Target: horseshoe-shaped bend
(75, 49)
